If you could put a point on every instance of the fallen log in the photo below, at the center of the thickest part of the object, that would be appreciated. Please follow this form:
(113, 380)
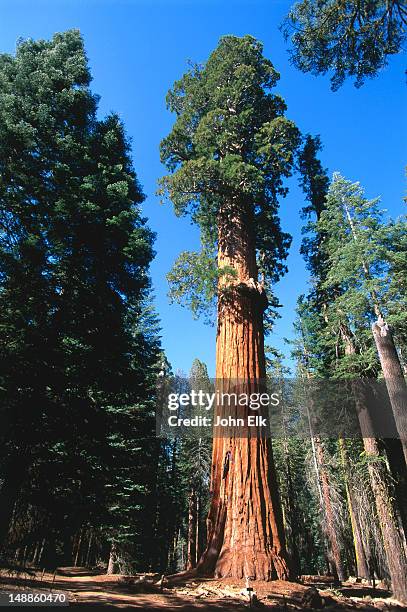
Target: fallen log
(282, 592)
(307, 597)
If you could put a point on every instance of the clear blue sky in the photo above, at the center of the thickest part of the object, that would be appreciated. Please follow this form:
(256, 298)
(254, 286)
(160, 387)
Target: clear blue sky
(137, 48)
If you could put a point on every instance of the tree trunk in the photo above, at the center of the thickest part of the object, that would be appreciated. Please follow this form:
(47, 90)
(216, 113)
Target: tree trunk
(245, 530)
(41, 551)
(397, 466)
(173, 550)
(291, 523)
(389, 359)
(362, 567)
(329, 514)
(192, 527)
(198, 547)
(12, 480)
(112, 565)
(333, 550)
(35, 553)
(394, 541)
(90, 542)
(393, 537)
(78, 546)
(394, 378)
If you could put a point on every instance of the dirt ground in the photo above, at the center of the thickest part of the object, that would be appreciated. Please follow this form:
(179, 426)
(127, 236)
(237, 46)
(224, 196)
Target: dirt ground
(85, 588)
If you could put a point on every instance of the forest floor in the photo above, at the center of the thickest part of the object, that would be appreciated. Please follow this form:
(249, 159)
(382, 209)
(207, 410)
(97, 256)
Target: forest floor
(85, 588)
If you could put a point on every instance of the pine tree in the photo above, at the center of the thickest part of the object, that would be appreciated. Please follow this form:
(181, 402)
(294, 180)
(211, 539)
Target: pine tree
(356, 252)
(344, 276)
(195, 458)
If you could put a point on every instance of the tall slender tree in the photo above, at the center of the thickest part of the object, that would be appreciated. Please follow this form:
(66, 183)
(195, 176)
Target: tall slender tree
(77, 357)
(228, 152)
(339, 266)
(356, 250)
(195, 457)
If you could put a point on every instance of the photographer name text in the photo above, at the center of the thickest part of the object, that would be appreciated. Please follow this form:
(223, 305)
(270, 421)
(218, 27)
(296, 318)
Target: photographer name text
(219, 401)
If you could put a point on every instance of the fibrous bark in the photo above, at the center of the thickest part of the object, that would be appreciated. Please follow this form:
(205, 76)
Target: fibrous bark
(245, 529)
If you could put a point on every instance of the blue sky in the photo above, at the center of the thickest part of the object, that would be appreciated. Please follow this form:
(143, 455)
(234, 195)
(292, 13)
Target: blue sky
(137, 48)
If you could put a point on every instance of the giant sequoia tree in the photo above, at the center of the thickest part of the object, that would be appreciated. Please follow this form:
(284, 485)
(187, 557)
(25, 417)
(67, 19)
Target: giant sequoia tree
(228, 153)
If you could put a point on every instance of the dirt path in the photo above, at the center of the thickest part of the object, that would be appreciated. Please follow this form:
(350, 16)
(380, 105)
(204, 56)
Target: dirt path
(84, 588)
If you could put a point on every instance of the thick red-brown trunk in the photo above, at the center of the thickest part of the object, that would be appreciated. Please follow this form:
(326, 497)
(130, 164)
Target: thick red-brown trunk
(245, 529)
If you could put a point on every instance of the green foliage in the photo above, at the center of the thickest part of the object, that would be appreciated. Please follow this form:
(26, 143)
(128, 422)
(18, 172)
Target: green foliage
(79, 344)
(194, 281)
(315, 183)
(360, 263)
(352, 38)
(231, 146)
(357, 266)
(183, 468)
(296, 478)
(313, 348)
(351, 253)
(196, 453)
(314, 180)
(395, 253)
(300, 502)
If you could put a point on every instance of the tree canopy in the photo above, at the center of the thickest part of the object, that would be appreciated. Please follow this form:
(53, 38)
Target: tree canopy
(347, 39)
(230, 144)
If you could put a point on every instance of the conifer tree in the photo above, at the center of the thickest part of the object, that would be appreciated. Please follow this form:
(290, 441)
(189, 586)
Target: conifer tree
(196, 459)
(352, 39)
(228, 153)
(77, 356)
(340, 276)
(356, 249)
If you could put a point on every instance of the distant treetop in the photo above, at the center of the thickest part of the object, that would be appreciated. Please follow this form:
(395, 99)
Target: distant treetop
(350, 39)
